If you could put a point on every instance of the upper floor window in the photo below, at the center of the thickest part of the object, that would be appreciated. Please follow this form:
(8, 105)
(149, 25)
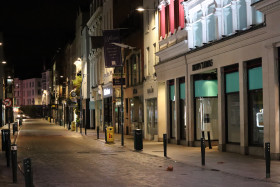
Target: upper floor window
(257, 16)
(211, 23)
(134, 70)
(227, 14)
(197, 28)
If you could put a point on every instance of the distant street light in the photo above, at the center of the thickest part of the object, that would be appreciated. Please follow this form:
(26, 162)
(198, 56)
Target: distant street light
(1, 43)
(141, 9)
(61, 76)
(4, 62)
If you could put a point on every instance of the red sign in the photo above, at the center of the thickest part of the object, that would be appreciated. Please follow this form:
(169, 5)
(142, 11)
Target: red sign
(7, 102)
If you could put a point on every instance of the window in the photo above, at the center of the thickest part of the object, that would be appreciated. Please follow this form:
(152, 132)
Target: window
(255, 102)
(197, 29)
(39, 91)
(241, 15)
(39, 84)
(32, 92)
(172, 106)
(232, 104)
(134, 70)
(257, 16)
(227, 14)
(183, 111)
(211, 23)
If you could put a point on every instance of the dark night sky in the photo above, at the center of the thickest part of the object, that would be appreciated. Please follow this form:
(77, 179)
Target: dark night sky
(33, 31)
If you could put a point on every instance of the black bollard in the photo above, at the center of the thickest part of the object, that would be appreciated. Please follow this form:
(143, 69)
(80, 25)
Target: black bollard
(209, 140)
(14, 162)
(127, 130)
(165, 144)
(97, 132)
(5, 136)
(28, 172)
(203, 135)
(202, 142)
(8, 152)
(267, 159)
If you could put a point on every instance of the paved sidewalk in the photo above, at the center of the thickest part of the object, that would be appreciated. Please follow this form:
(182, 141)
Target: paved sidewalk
(249, 167)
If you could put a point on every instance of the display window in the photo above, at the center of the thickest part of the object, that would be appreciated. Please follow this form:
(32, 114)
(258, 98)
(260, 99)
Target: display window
(172, 108)
(232, 104)
(255, 102)
(206, 106)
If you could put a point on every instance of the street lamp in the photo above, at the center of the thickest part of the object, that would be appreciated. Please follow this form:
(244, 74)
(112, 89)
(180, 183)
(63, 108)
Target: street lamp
(4, 62)
(124, 46)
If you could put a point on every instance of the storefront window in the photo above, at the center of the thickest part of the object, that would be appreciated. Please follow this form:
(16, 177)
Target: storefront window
(108, 111)
(255, 103)
(152, 128)
(206, 107)
(136, 112)
(232, 104)
(172, 108)
(183, 123)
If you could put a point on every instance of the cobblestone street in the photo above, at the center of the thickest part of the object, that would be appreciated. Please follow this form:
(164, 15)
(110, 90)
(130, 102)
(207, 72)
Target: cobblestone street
(66, 158)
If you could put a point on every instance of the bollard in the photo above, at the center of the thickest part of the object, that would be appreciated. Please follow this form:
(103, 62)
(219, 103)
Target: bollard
(203, 135)
(8, 152)
(127, 130)
(165, 144)
(209, 140)
(267, 159)
(14, 162)
(202, 142)
(28, 172)
(5, 136)
(97, 132)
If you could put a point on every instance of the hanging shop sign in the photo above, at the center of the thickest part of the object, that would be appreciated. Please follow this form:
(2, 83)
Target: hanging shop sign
(202, 65)
(112, 52)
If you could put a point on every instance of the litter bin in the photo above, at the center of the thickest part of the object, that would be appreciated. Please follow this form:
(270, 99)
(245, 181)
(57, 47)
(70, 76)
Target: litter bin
(73, 126)
(110, 134)
(138, 139)
(5, 137)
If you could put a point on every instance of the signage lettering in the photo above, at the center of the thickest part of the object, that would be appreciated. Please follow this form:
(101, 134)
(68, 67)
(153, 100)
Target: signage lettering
(202, 65)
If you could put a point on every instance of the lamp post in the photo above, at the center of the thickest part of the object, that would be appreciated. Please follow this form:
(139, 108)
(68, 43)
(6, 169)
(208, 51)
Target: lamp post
(123, 46)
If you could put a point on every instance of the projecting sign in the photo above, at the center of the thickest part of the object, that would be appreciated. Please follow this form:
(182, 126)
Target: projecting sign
(7, 102)
(112, 52)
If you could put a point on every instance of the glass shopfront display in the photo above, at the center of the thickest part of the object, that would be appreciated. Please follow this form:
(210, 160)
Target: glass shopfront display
(152, 125)
(232, 104)
(172, 108)
(118, 116)
(108, 111)
(206, 106)
(183, 118)
(255, 103)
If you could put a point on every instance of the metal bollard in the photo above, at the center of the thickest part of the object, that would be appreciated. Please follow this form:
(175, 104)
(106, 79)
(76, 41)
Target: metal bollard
(203, 135)
(8, 152)
(127, 130)
(209, 140)
(267, 159)
(202, 142)
(28, 172)
(165, 144)
(97, 131)
(5, 135)
(14, 162)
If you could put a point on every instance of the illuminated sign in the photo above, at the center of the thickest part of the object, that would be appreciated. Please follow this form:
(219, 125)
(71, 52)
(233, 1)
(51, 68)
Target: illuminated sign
(107, 91)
